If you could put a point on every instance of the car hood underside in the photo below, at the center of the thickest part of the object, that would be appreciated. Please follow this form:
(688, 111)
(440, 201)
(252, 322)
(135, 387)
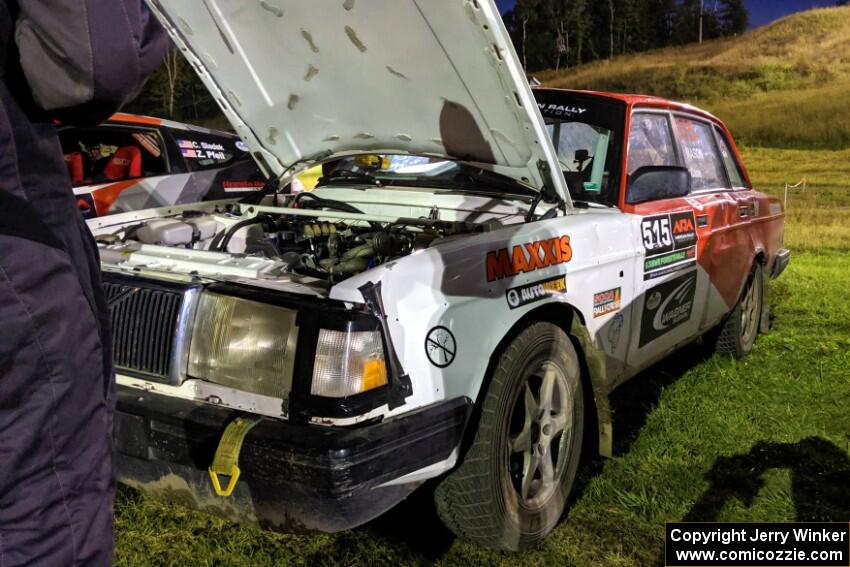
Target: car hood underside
(303, 82)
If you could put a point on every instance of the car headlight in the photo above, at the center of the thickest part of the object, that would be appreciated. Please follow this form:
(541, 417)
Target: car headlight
(243, 344)
(348, 363)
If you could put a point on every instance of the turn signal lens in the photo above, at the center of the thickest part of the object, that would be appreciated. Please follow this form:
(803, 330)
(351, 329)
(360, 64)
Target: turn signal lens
(348, 363)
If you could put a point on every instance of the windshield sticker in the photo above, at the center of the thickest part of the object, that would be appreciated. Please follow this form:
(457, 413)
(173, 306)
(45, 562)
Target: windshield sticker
(560, 110)
(202, 150)
(667, 306)
(670, 242)
(533, 292)
(529, 257)
(606, 302)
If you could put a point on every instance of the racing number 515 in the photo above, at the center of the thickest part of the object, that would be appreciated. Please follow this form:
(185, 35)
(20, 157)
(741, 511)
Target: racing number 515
(656, 233)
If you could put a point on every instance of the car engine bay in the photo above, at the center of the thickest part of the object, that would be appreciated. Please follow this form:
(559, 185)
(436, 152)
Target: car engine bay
(270, 243)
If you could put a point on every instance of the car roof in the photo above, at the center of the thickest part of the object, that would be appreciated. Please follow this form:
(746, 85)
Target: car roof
(640, 100)
(138, 119)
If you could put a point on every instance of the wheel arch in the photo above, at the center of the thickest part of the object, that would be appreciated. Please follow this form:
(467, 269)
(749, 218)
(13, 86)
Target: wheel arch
(592, 360)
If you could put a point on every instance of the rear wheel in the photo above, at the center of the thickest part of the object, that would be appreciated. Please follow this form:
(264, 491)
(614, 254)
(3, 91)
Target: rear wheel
(513, 484)
(737, 334)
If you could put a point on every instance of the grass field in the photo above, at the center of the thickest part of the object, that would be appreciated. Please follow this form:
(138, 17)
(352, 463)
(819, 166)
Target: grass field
(765, 439)
(782, 85)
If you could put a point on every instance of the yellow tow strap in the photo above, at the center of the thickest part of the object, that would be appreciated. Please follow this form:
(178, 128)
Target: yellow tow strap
(226, 460)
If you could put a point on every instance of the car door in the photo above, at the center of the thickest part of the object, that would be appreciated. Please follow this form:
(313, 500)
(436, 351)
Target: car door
(722, 212)
(671, 287)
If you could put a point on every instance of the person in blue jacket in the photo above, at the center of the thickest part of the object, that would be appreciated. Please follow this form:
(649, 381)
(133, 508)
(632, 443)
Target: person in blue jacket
(74, 61)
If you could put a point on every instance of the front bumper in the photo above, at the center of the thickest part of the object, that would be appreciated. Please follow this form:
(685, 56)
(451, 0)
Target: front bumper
(783, 257)
(294, 476)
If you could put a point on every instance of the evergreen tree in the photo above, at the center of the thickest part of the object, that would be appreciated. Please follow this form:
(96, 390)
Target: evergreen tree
(733, 17)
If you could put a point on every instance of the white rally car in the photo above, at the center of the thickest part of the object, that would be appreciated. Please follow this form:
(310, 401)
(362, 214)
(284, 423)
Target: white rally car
(479, 268)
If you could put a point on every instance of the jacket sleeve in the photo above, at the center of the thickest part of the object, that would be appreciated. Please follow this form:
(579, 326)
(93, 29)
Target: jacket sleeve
(83, 59)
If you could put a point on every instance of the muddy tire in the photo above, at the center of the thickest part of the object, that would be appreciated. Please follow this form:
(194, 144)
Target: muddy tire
(512, 486)
(737, 334)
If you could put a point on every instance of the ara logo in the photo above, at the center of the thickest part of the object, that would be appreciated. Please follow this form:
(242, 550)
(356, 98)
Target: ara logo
(668, 306)
(683, 225)
(528, 257)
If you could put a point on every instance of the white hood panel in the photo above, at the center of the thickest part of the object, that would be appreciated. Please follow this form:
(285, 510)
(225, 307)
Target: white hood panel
(313, 78)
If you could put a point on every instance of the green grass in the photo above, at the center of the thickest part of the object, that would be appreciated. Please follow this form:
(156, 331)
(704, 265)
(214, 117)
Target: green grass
(782, 85)
(689, 434)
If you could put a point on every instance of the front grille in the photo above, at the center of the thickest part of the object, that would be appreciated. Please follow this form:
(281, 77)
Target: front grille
(144, 323)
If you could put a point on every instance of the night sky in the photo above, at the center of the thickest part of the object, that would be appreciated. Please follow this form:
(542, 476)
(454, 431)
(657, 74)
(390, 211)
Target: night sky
(761, 11)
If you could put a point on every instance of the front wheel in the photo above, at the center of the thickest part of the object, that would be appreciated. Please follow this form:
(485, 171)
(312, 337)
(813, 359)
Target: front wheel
(513, 484)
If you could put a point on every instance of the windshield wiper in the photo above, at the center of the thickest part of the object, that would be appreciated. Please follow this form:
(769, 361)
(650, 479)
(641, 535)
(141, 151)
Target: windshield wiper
(348, 175)
(495, 180)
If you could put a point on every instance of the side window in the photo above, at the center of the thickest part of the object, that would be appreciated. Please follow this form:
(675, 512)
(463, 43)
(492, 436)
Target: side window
(111, 153)
(650, 142)
(207, 151)
(732, 166)
(700, 154)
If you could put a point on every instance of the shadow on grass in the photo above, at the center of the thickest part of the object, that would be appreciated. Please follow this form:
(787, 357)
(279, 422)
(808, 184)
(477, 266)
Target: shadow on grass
(820, 480)
(631, 404)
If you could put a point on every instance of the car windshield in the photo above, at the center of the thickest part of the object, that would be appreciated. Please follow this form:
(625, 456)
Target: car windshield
(390, 169)
(587, 134)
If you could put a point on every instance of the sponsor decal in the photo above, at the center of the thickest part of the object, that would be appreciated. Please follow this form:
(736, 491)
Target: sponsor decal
(529, 293)
(775, 209)
(242, 186)
(559, 110)
(606, 302)
(615, 327)
(702, 221)
(754, 209)
(242, 146)
(440, 346)
(528, 257)
(202, 150)
(668, 306)
(670, 242)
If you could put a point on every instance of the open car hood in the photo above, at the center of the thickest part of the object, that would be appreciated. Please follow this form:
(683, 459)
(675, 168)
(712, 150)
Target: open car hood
(304, 81)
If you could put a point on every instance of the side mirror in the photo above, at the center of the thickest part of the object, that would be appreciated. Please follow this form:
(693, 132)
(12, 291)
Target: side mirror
(656, 182)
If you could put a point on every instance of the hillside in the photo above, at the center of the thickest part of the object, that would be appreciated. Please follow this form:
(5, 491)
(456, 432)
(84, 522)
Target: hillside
(783, 85)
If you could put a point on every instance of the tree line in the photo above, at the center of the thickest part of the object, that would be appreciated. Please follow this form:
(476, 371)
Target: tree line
(547, 34)
(552, 34)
